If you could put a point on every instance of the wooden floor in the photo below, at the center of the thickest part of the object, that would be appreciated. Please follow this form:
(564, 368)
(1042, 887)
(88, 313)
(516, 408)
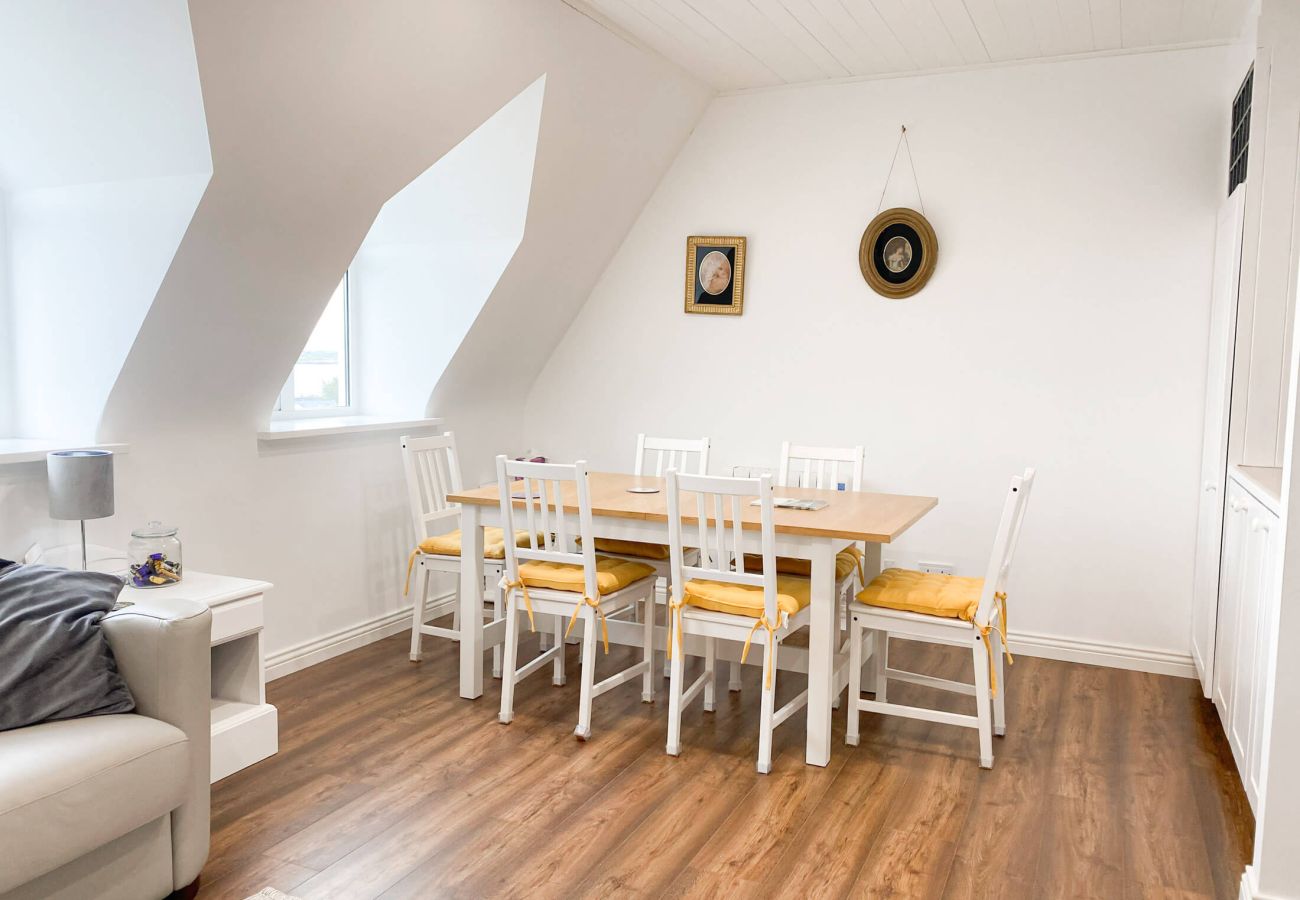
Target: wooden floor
(1110, 784)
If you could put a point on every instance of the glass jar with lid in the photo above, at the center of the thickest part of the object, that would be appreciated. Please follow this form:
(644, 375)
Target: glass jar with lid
(155, 556)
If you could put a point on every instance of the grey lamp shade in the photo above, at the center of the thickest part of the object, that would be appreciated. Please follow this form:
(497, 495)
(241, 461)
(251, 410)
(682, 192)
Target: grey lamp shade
(81, 484)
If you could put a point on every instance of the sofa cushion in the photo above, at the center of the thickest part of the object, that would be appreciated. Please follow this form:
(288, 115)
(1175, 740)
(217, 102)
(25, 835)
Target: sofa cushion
(68, 787)
(55, 661)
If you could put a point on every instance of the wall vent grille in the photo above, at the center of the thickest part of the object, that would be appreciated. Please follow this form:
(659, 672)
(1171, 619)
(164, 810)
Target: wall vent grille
(1237, 150)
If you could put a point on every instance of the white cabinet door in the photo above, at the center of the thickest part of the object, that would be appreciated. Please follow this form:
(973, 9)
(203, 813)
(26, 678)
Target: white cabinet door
(1235, 527)
(1265, 534)
(1243, 646)
(1246, 634)
(1214, 450)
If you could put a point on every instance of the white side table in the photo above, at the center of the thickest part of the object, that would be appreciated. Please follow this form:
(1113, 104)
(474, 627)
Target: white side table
(244, 726)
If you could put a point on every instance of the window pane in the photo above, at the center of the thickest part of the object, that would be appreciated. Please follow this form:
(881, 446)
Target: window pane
(320, 377)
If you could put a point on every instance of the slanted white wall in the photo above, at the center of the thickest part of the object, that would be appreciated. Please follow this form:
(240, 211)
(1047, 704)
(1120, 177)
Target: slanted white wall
(1064, 328)
(104, 158)
(95, 92)
(86, 261)
(435, 253)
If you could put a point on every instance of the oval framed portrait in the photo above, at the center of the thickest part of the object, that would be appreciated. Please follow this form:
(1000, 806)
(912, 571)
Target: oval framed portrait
(898, 253)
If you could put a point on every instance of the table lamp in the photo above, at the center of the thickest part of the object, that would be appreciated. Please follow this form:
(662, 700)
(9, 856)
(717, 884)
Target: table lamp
(81, 487)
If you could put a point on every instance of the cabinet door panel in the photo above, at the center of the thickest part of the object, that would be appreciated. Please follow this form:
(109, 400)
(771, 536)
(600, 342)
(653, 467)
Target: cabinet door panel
(1241, 701)
(1265, 629)
(1234, 550)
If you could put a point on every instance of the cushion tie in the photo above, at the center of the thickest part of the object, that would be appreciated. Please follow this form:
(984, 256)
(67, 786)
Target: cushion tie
(594, 604)
(675, 623)
(509, 585)
(1000, 598)
(771, 645)
(410, 564)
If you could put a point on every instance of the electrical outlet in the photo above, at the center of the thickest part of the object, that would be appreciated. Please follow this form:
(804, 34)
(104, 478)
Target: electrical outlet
(888, 563)
(935, 568)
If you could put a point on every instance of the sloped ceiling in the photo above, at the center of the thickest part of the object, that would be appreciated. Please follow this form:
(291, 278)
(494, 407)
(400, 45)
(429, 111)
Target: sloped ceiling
(739, 44)
(318, 114)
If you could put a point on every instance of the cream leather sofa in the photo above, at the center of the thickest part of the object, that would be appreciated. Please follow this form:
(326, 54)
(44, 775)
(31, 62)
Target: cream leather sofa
(117, 806)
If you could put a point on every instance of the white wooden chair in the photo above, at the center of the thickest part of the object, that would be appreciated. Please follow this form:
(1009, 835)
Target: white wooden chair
(719, 599)
(545, 577)
(823, 468)
(826, 468)
(432, 469)
(654, 456)
(682, 454)
(942, 609)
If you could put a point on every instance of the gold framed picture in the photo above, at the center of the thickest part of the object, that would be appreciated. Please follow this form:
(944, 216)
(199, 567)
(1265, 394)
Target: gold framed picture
(715, 275)
(898, 253)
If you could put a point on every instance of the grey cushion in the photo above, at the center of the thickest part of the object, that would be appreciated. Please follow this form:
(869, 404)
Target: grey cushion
(55, 661)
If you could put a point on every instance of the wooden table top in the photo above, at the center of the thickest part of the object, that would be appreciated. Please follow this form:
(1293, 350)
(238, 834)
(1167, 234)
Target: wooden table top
(856, 515)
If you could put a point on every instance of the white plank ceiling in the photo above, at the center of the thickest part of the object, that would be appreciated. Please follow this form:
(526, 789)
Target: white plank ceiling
(739, 44)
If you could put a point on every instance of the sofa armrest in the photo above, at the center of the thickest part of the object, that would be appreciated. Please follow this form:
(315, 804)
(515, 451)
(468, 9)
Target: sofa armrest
(163, 651)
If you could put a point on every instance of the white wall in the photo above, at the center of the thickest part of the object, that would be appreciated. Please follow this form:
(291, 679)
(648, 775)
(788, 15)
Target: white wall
(1064, 327)
(435, 253)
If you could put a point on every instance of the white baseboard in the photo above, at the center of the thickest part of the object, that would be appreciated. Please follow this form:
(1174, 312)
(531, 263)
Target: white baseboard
(309, 653)
(1115, 656)
(1046, 646)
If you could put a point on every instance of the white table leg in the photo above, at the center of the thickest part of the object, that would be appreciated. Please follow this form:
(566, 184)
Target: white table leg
(471, 602)
(870, 568)
(822, 645)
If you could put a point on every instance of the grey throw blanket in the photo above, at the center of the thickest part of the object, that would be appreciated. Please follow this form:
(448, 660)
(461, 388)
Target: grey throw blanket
(55, 661)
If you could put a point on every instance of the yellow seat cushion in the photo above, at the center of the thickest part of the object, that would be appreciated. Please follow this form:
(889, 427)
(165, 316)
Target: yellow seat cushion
(611, 574)
(792, 594)
(494, 543)
(949, 596)
(632, 548)
(845, 562)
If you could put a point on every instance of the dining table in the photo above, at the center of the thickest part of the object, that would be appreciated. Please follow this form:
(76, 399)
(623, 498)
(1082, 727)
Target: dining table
(869, 518)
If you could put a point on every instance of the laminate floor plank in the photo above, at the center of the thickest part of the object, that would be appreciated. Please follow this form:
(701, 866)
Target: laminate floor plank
(1108, 784)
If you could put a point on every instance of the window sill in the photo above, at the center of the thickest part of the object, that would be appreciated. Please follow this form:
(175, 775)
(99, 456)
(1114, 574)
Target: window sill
(301, 429)
(28, 450)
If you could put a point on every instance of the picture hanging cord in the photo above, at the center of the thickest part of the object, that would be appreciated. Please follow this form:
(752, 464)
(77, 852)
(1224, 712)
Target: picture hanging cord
(902, 139)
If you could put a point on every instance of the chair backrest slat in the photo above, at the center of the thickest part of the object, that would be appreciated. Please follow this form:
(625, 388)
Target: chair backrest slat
(671, 453)
(561, 524)
(729, 497)
(1004, 544)
(432, 472)
(549, 491)
(526, 488)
